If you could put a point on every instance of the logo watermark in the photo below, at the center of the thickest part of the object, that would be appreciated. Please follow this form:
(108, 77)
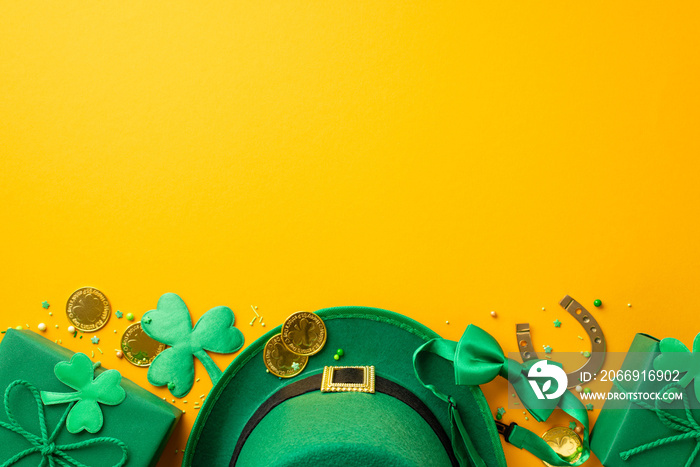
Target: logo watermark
(547, 371)
(625, 377)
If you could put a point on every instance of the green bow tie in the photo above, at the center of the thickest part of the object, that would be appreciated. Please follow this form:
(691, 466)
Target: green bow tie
(478, 359)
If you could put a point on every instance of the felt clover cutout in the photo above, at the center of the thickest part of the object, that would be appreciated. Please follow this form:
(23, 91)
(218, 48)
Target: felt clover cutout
(170, 324)
(90, 393)
(675, 356)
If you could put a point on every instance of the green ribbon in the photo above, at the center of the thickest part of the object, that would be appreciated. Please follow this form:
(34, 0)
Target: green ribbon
(478, 359)
(688, 428)
(44, 444)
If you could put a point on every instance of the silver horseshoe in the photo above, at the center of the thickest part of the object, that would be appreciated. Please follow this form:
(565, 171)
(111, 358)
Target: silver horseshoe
(589, 323)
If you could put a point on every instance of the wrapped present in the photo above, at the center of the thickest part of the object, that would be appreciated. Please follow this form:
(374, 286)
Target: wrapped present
(61, 410)
(633, 430)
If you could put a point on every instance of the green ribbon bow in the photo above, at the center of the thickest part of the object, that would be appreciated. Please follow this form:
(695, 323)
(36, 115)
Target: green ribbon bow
(478, 359)
(688, 428)
(44, 444)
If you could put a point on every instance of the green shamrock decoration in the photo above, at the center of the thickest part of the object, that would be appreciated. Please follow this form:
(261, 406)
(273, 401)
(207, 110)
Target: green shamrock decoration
(676, 356)
(170, 324)
(90, 392)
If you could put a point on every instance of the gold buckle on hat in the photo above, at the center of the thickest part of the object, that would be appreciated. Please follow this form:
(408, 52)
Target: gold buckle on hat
(350, 382)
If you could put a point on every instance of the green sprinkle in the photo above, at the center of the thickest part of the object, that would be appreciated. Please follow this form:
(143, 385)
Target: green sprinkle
(516, 403)
(3, 332)
(202, 396)
(197, 380)
(526, 419)
(597, 303)
(130, 316)
(196, 408)
(81, 336)
(184, 402)
(100, 350)
(587, 390)
(57, 326)
(336, 356)
(580, 337)
(75, 333)
(50, 313)
(173, 401)
(93, 354)
(19, 328)
(586, 354)
(340, 352)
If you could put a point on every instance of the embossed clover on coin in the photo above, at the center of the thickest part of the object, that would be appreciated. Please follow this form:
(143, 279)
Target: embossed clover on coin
(170, 324)
(90, 393)
(304, 333)
(88, 308)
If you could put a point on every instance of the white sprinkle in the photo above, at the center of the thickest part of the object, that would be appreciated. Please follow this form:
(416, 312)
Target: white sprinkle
(629, 304)
(71, 329)
(579, 388)
(542, 308)
(447, 322)
(42, 326)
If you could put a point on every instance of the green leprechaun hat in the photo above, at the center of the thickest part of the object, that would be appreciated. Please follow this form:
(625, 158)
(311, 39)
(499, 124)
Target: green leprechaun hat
(253, 418)
(392, 399)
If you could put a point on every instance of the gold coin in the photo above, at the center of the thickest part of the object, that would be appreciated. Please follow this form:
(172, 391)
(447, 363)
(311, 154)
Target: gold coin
(304, 333)
(280, 361)
(564, 441)
(88, 309)
(138, 347)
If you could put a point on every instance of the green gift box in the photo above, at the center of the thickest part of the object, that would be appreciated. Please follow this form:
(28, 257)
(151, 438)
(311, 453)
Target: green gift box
(635, 433)
(32, 433)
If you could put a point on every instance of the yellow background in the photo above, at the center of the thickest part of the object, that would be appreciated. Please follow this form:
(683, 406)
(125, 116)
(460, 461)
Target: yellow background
(438, 159)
